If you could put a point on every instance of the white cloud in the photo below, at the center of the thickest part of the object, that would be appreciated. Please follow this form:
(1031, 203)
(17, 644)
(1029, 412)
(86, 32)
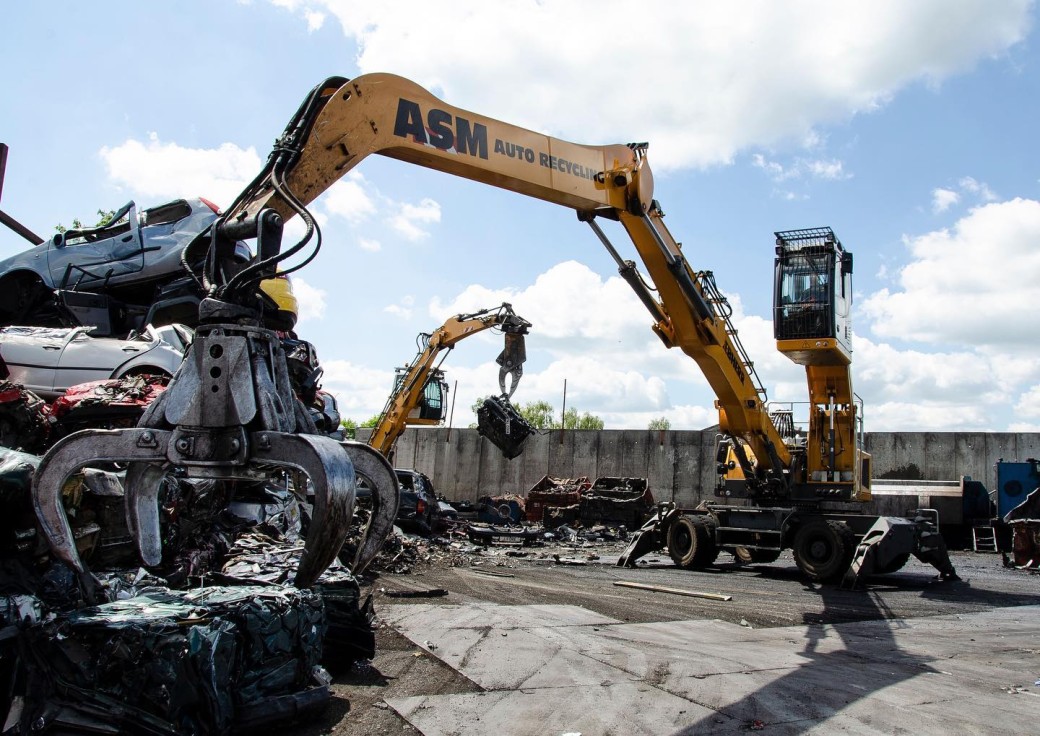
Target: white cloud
(920, 416)
(978, 188)
(1028, 404)
(957, 380)
(311, 300)
(315, 20)
(598, 387)
(827, 169)
(296, 228)
(943, 199)
(572, 308)
(373, 246)
(167, 170)
(409, 219)
(974, 284)
(775, 169)
(740, 74)
(402, 309)
(360, 392)
(348, 198)
(801, 168)
(968, 188)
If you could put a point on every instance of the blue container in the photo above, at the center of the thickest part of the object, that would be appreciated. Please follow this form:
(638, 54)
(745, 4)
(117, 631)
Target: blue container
(1015, 481)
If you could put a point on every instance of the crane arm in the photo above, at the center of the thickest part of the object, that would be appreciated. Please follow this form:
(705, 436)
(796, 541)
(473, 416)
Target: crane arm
(408, 391)
(341, 122)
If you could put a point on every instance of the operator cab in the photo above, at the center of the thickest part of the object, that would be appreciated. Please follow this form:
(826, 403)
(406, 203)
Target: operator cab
(433, 404)
(812, 297)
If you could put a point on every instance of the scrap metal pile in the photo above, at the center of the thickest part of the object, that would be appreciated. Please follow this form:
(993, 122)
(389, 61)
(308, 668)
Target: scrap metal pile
(1024, 521)
(567, 503)
(170, 546)
(212, 638)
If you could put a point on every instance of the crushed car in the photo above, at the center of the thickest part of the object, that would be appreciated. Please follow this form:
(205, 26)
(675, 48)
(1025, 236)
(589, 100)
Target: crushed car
(418, 510)
(48, 360)
(125, 274)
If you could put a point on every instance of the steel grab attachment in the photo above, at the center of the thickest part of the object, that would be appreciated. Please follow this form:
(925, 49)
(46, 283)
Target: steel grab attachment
(325, 462)
(376, 473)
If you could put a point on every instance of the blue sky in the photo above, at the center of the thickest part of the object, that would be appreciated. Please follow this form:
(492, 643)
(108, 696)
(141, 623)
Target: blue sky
(909, 128)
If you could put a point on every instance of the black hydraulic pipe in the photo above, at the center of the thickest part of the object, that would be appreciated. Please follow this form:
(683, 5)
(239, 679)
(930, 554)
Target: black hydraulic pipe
(627, 270)
(680, 271)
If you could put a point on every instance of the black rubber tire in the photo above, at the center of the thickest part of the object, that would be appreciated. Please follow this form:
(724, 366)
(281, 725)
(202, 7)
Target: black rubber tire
(895, 565)
(691, 542)
(746, 556)
(823, 549)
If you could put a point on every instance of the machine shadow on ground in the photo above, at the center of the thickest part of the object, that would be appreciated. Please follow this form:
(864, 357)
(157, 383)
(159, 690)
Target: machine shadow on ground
(848, 663)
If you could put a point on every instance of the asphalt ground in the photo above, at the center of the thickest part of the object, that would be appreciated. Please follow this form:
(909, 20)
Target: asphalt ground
(761, 596)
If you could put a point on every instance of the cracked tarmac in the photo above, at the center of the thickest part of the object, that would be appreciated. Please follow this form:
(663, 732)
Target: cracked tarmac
(544, 648)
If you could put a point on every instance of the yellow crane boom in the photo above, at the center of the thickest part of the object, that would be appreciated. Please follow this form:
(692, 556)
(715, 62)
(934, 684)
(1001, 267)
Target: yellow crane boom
(412, 381)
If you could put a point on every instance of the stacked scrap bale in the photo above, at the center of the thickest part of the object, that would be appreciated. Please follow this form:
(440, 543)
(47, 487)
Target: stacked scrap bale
(617, 502)
(554, 501)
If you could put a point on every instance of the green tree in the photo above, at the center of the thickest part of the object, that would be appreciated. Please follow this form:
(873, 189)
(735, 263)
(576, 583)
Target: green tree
(104, 217)
(351, 426)
(539, 414)
(585, 420)
(660, 423)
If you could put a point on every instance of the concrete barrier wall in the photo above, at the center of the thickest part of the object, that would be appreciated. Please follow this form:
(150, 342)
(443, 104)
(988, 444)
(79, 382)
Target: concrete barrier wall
(679, 465)
(947, 455)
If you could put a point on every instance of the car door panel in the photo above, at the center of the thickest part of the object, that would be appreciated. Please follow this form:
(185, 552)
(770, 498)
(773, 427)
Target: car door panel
(86, 358)
(32, 355)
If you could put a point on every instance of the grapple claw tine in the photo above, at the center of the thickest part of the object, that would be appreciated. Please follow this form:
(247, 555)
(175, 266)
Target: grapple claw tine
(331, 474)
(141, 496)
(509, 387)
(374, 470)
(69, 455)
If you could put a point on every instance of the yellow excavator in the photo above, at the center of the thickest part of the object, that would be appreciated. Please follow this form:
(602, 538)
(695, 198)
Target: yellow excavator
(420, 393)
(778, 487)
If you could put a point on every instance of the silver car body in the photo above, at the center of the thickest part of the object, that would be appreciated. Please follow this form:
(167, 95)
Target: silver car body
(131, 261)
(143, 247)
(48, 360)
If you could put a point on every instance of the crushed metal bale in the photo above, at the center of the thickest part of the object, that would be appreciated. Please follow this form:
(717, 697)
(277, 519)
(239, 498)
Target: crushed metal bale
(200, 661)
(213, 640)
(549, 493)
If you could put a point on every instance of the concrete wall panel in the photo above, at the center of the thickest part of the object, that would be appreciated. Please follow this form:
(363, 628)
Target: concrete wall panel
(609, 453)
(635, 448)
(1028, 446)
(586, 450)
(465, 480)
(534, 461)
(560, 447)
(660, 464)
(679, 465)
(687, 469)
